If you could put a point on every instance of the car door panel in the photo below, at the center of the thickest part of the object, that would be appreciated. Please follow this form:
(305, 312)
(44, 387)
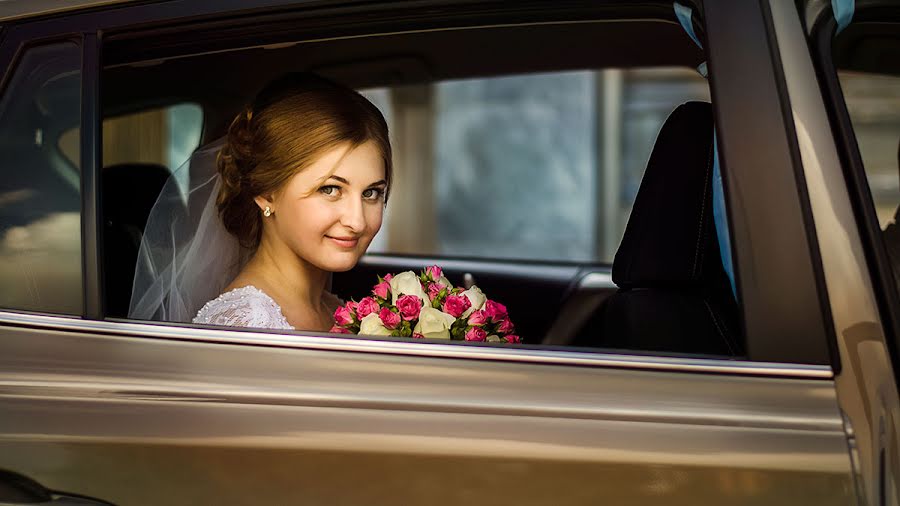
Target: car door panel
(139, 420)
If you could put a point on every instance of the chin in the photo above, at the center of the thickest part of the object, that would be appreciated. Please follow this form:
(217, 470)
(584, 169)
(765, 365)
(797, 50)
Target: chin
(337, 264)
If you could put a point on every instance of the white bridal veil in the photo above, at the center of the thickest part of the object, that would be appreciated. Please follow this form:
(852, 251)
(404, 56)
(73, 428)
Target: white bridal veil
(186, 257)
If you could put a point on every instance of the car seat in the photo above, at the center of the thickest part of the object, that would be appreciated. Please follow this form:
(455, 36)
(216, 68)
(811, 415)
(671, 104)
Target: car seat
(674, 294)
(129, 192)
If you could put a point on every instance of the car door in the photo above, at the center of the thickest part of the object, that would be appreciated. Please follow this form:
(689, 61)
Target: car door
(132, 412)
(856, 81)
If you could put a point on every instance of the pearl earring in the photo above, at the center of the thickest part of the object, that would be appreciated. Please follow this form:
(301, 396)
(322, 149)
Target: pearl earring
(267, 211)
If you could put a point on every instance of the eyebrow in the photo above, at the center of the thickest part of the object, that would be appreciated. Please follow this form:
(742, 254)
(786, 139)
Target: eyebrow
(342, 180)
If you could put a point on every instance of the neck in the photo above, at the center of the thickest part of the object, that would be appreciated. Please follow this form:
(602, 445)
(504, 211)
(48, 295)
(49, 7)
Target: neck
(287, 274)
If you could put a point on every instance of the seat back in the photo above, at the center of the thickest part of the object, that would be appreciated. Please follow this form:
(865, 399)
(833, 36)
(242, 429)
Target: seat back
(673, 292)
(129, 192)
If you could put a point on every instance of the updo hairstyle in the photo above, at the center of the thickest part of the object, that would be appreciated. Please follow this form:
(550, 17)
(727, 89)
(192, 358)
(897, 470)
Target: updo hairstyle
(290, 123)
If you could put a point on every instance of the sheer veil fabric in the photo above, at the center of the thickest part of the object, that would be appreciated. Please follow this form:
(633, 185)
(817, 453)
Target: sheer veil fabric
(186, 257)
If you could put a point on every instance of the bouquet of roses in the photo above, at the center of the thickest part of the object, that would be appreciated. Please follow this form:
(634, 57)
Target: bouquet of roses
(427, 305)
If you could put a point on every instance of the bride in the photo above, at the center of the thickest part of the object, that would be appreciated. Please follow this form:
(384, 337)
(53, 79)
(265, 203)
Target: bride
(296, 192)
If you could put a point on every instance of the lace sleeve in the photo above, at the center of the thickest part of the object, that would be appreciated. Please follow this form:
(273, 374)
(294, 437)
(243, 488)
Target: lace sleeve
(243, 307)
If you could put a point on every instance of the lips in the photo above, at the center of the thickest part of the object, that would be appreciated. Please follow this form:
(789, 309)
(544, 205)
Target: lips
(344, 242)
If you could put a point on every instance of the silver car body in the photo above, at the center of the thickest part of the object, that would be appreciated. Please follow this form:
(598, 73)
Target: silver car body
(135, 413)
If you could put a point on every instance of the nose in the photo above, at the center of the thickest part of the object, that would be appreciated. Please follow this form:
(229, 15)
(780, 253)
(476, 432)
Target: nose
(353, 216)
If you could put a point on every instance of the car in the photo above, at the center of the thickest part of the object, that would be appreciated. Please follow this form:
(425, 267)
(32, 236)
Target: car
(687, 209)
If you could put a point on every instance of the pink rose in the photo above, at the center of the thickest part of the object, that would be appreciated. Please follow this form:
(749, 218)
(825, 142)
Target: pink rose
(506, 327)
(366, 307)
(382, 289)
(351, 306)
(343, 316)
(514, 339)
(339, 330)
(409, 306)
(418, 336)
(389, 318)
(477, 318)
(456, 305)
(476, 334)
(434, 289)
(495, 311)
(388, 277)
(434, 272)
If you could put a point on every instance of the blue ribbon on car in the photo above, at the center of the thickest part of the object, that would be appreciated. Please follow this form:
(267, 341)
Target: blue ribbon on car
(720, 216)
(843, 13)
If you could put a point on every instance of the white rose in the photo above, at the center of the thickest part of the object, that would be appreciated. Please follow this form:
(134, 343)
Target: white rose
(476, 297)
(446, 282)
(372, 325)
(494, 338)
(434, 324)
(407, 283)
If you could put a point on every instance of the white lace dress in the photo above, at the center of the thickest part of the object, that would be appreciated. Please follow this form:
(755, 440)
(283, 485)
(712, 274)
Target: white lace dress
(247, 306)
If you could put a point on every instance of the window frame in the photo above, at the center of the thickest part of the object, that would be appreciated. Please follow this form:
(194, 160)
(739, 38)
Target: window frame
(783, 298)
(767, 327)
(820, 30)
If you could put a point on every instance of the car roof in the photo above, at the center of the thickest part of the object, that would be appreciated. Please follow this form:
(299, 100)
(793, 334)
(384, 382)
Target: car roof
(17, 9)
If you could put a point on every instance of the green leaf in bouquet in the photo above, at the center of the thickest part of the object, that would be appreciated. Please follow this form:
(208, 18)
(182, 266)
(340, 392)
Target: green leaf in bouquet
(458, 329)
(439, 299)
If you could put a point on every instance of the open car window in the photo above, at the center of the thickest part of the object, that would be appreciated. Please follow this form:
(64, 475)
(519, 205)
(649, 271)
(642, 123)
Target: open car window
(517, 167)
(554, 159)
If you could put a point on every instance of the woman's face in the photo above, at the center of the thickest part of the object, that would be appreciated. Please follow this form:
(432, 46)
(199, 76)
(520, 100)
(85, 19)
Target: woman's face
(330, 223)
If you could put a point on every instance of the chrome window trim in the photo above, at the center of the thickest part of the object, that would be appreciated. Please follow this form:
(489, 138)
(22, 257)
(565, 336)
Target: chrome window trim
(430, 350)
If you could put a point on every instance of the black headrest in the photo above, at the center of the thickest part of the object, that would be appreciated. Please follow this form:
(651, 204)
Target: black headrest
(131, 189)
(670, 234)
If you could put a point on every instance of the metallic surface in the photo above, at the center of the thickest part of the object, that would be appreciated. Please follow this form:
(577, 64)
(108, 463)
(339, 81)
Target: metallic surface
(152, 421)
(866, 389)
(136, 414)
(455, 350)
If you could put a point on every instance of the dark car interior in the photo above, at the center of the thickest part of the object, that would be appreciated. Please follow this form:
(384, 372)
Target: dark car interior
(672, 296)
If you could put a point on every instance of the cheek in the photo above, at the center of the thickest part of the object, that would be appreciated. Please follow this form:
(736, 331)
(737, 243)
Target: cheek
(374, 217)
(312, 217)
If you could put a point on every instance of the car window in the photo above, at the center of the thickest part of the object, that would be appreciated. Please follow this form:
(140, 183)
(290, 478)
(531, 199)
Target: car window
(873, 103)
(555, 159)
(514, 172)
(40, 223)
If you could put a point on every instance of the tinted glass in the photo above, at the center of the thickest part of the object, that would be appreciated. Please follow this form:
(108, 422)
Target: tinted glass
(40, 221)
